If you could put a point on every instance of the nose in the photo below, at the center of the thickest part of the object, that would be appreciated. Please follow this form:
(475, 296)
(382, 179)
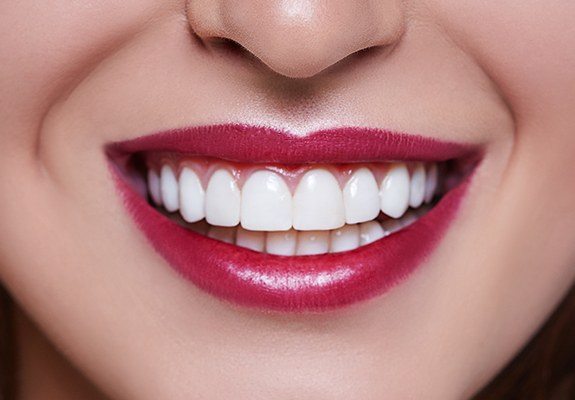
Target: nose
(299, 38)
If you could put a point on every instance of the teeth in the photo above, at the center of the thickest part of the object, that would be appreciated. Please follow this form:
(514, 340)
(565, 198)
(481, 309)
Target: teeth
(318, 202)
(224, 234)
(282, 243)
(223, 199)
(154, 187)
(369, 232)
(312, 242)
(320, 218)
(344, 239)
(361, 197)
(192, 196)
(250, 240)
(169, 189)
(417, 189)
(292, 242)
(431, 183)
(266, 203)
(394, 191)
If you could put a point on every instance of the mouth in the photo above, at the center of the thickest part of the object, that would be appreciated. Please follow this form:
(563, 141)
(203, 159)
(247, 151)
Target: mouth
(267, 219)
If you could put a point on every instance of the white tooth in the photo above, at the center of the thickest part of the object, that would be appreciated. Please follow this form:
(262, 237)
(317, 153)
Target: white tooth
(312, 242)
(431, 182)
(266, 203)
(361, 197)
(344, 239)
(250, 240)
(154, 187)
(394, 191)
(281, 243)
(191, 196)
(369, 232)
(318, 202)
(169, 189)
(417, 189)
(223, 198)
(223, 234)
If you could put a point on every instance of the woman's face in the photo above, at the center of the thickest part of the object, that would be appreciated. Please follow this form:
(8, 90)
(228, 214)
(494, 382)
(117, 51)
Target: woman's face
(497, 78)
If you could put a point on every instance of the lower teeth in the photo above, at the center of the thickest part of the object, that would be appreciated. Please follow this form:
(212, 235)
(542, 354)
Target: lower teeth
(300, 243)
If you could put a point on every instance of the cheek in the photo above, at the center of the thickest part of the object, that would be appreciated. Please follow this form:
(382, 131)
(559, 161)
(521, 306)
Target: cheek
(49, 46)
(527, 48)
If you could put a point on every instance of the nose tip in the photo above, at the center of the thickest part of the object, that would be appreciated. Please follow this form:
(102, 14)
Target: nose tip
(299, 38)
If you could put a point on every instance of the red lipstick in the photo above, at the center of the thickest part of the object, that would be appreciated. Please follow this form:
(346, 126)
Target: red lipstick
(249, 144)
(292, 283)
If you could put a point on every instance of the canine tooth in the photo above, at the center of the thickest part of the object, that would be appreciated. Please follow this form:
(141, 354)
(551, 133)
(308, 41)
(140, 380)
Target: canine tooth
(266, 203)
(394, 191)
(223, 198)
(318, 202)
(312, 242)
(417, 188)
(344, 239)
(223, 234)
(154, 187)
(361, 197)
(192, 196)
(281, 243)
(431, 183)
(369, 232)
(169, 189)
(250, 239)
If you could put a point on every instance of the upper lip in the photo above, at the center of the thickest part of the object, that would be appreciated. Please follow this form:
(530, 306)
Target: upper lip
(292, 283)
(255, 144)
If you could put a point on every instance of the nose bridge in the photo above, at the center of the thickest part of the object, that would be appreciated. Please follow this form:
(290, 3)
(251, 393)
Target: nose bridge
(299, 38)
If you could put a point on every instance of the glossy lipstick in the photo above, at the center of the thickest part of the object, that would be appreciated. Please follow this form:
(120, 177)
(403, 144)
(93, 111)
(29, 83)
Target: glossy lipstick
(294, 283)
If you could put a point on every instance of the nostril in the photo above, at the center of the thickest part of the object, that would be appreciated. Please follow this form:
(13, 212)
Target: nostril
(227, 45)
(369, 52)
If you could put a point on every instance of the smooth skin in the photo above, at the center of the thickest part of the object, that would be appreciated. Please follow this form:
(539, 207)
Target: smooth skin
(76, 75)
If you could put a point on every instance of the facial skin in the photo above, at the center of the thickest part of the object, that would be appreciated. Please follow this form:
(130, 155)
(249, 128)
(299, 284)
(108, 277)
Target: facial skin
(77, 75)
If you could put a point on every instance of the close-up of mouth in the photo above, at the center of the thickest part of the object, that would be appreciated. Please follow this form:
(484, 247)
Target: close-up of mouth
(268, 219)
(289, 199)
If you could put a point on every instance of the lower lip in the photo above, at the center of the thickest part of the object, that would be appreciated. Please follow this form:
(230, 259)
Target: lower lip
(293, 284)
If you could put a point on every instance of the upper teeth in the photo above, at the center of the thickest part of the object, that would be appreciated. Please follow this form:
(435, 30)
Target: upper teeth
(223, 199)
(361, 197)
(266, 202)
(316, 202)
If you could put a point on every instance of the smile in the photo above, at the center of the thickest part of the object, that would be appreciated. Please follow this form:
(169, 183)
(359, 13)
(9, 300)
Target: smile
(268, 219)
